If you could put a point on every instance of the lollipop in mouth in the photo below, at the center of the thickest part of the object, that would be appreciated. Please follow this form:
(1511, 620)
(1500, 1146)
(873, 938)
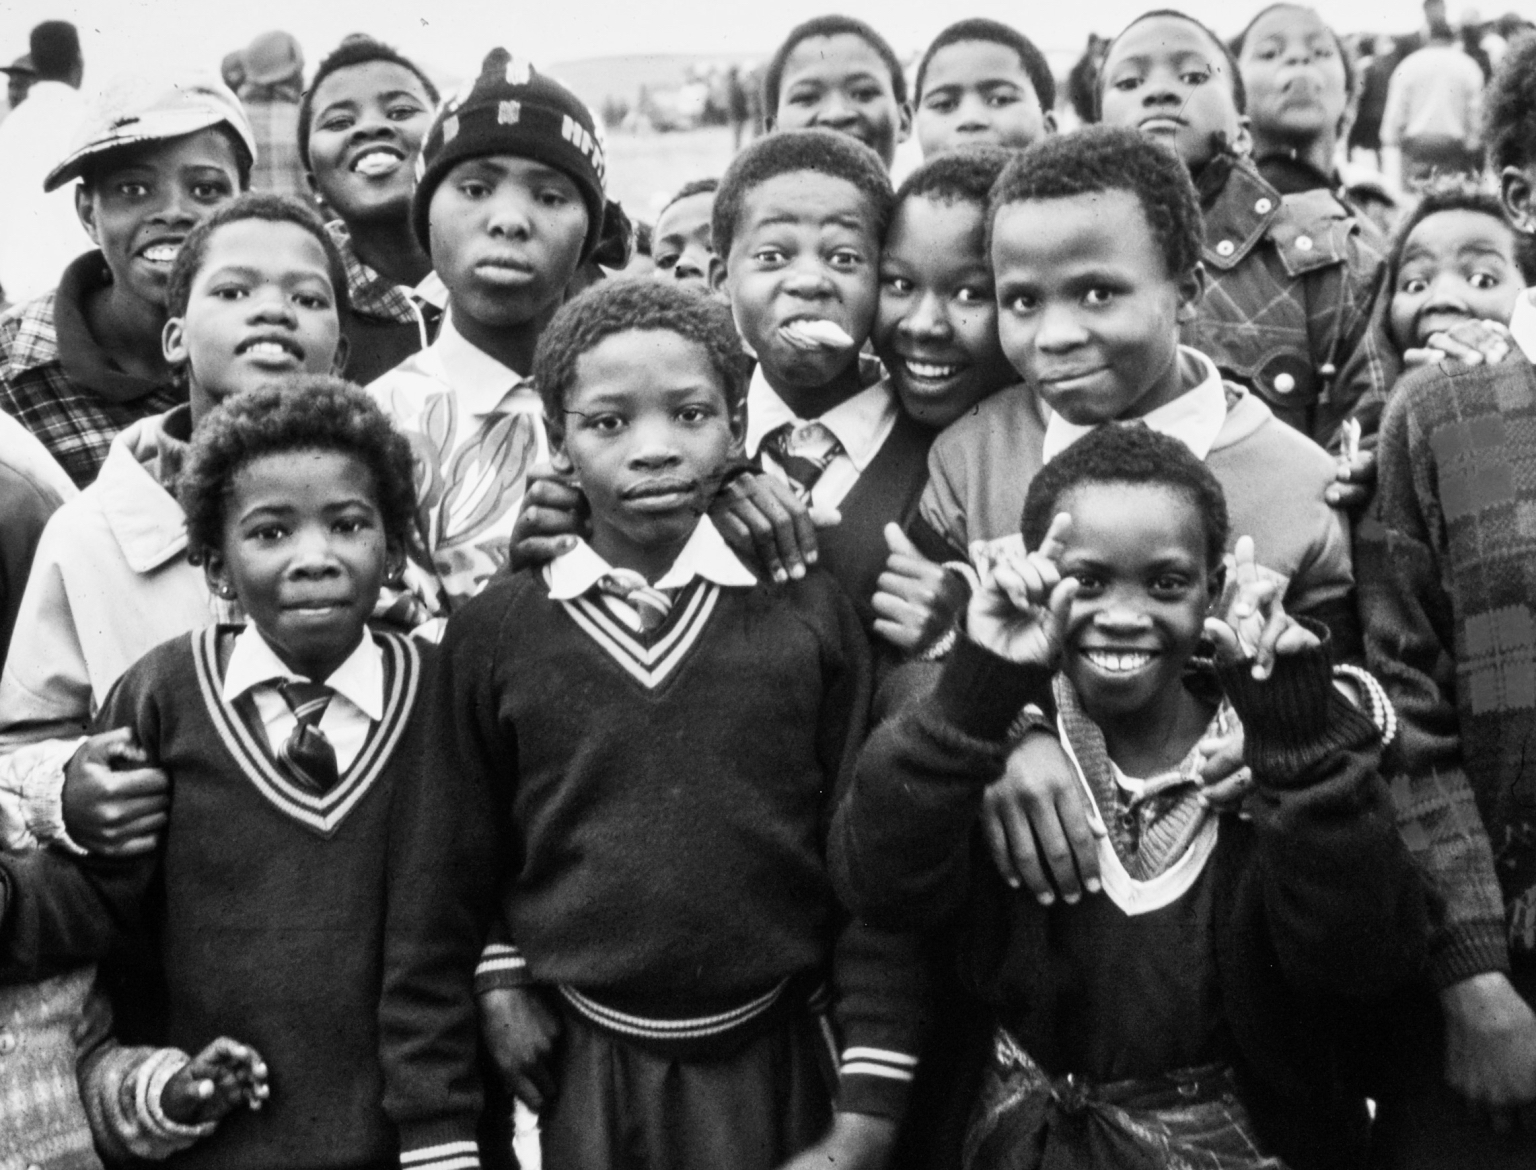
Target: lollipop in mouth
(814, 333)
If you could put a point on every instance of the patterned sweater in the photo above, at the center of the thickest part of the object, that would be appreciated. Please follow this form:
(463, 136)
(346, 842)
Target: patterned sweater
(1447, 555)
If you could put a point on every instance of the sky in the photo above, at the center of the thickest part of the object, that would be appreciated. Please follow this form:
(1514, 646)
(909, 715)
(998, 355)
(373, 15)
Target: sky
(450, 36)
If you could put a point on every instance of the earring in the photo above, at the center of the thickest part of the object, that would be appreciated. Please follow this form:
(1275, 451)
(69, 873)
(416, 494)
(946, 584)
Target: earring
(226, 591)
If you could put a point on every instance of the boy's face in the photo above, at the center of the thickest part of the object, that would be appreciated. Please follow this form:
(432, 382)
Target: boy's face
(841, 83)
(806, 248)
(648, 433)
(1456, 266)
(144, 200)
(1294, 75)
(261, 308)
(304, 550)
(978, 93)
(1165, 78)
(506, 238)
(936, 330)
(1138, 552)
(680, 245)
(365, 130)
(1087, 311)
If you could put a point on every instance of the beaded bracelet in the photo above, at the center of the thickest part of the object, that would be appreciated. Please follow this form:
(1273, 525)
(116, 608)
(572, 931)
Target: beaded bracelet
(1382, 713)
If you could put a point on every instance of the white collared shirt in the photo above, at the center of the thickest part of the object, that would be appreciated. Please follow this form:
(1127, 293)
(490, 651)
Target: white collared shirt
(573, 574)
(1522, 324)
(471, 468)
(1194, 418)
(357, 704)
(860, 424)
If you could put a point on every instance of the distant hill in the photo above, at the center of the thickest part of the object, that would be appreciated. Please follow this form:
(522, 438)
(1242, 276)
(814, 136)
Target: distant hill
(597, 78)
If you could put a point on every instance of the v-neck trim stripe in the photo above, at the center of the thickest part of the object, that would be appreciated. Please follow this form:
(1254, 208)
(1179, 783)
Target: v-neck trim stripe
(648, 665)
(320, 813)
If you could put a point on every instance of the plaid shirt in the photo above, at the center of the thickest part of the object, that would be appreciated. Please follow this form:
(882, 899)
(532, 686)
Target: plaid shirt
(372, 294)
(278, 168)
(70, 396)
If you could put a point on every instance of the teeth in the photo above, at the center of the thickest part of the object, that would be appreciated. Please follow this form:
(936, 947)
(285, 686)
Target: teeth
(823, 334)
(161, 253)
(377, 163)
(1118, 663)
(268, 349)
(925, 370)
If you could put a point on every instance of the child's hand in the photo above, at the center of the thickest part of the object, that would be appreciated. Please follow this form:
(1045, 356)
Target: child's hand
(1473, 343)
(856, 1141)
(1041, 829)
(1255, 625)
(916, 601)
(1490, 1050)
(520, 1031)
(114, 805)
(1020, 611)
(761, 517)
(213, 1082)
(1355, 480)
(1225, 780)
(552, 515)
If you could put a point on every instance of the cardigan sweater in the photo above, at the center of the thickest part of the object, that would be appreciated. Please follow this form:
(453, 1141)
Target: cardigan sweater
(1316, 903)
(663, 802)
(318, 929)
(1446, 555)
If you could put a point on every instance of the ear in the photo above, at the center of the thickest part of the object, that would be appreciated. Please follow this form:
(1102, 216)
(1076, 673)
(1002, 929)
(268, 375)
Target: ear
(173, 342)
(903, 122)
(216, 573)
(559, 457)
(1191, 290)
(339, 361)
(737, 420)
(85, 208)
(1242, 144)
(1517, 188)
(1048, 122)
(394, 562)
(717, 273)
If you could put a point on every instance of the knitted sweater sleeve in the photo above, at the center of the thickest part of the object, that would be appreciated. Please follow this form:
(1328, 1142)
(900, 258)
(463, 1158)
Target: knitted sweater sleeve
(939, 528)
(442, 876)
(1401, 554)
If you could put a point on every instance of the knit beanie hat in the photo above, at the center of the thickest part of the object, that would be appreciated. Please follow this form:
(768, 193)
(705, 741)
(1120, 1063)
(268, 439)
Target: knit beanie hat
(513, 109)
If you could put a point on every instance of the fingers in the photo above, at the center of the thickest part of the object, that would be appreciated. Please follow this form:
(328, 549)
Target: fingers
(1412, 358)
(1054, 543)
(1277, 621)
(994, 809)
(1054, 845)
(1230, 792)
(121, 747)
(1348, 497)
(141, 783)
(1224, 638)
(896, 540)
(1223, 756)
(1072, 814)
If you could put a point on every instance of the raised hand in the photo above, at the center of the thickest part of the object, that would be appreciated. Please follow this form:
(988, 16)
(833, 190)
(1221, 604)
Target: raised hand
(916, 601)
(1255, 625)
(1020, 612)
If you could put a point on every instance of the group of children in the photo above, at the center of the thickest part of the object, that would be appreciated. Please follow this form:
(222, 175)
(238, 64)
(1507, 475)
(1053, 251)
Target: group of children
(886, 690)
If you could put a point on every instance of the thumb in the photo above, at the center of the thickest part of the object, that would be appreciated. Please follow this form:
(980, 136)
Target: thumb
(896, 540)
(1225, 639)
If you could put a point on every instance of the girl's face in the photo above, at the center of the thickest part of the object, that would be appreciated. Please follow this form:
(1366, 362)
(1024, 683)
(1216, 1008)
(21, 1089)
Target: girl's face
(366, 124)
(261, 308)
(143, 201)
(841, 83)
(1456, 266)
(1294, 76)
(305, 553)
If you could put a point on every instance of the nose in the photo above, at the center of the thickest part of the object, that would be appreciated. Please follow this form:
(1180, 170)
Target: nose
(653, 445)
(177, 209)
(313, 557)
(1162, 89)
(927, 320)
(974, 114)
(1447, 291)
(1059, 330)
(691, 265)
(269, 305)
(807, 278)
(1117, 614)
(835, 111)
(509, 214)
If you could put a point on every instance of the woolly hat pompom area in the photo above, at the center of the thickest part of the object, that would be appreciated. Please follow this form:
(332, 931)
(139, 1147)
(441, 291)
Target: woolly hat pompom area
(511, 108)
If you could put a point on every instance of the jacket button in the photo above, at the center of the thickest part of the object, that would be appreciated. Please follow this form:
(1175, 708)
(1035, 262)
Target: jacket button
(1225, 248)
(1284, 383)
(1304, 243)
(1263, 206)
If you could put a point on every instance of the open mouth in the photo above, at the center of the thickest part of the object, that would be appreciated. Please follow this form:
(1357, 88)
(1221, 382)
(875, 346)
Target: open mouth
(1162, 124)
(162, 254)
(379, 160)
(271, 349)
(921, 371)
(815, 333)
(1119, 661)
(1437, 322)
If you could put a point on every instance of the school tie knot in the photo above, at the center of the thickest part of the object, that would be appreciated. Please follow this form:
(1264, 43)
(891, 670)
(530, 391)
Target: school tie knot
(803, 450)
(306, 751)
(649, 604)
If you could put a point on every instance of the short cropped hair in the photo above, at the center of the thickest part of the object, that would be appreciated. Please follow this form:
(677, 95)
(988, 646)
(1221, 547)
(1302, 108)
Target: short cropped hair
(1128, 453)
(687, 191)
(1239, 41)
(1456, 194)
(1111, 158)
(1239, 91)
(786, 151)
(311, 412)
(620, 306)
(252, 205)
(966, 175)
(979, 28)
(355, 50)
(830, 26)
(1509, 108)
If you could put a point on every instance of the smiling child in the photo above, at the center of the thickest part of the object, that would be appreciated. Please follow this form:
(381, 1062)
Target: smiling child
(982, 83)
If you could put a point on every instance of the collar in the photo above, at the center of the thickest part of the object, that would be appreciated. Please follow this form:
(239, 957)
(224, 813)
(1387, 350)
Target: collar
(705, 555)
(1194, 418)
(360, 679)
(1522, 324)
(861, 424)
(1239, 215)
(84, 362)
(144, 517)
(479, 381)
(373, 294)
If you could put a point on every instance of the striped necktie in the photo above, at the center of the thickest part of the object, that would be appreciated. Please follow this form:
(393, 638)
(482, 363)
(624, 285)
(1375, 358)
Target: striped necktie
(804, 451)
(649, 604)
(306, 751)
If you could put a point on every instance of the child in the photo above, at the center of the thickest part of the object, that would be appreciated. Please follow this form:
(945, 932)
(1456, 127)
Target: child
(296, 831)
(508, 207)
(680, 244)
(254, 297)
(662, 735)
(1455, 260)
(1288, 313)
(84, 361)
(1446, 595)
(361, 124)
(837, 73)
(983, 83)
(1191, 1016)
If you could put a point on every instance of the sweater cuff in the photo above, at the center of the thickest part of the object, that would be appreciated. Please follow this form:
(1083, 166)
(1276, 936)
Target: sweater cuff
(43, 766)
(1294, 718)
(445, 1144)
(1467, 949)
(980, 693)
(501, 965)
(149, 1086)
(875, 1081)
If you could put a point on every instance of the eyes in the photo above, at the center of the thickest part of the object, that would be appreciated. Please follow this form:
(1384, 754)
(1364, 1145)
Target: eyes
(1192, 76)
(1482, 280)
(860, 92)
(612, 423)
(947, 101)
(1094, 297)
(967, 295)
(341, 120)
(234, 291)
(203, 190)
(479, 190)
(270, 533)
(1163, 587)
(841, 260)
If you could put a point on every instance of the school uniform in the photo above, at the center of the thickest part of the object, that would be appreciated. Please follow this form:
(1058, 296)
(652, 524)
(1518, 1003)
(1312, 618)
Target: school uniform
(662, 790)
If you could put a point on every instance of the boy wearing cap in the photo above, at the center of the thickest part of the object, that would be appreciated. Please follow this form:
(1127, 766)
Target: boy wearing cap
(270, 90)
(509, 202)
(79, 364)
